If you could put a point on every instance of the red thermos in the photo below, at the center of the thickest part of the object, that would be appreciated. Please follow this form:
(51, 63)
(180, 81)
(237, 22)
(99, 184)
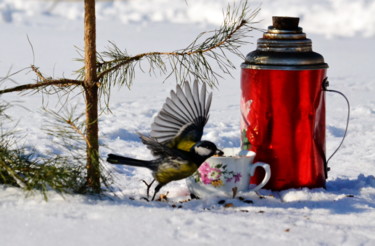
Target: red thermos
(283, 107)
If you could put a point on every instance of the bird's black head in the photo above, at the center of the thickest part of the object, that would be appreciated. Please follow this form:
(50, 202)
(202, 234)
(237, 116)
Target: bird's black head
(206, 149)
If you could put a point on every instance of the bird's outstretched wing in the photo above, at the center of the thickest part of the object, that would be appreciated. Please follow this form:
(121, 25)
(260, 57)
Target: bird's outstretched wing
(183, 116)
(161, 150)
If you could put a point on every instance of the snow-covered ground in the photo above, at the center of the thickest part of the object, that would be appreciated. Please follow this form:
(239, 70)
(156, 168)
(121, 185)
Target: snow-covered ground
(343, 31)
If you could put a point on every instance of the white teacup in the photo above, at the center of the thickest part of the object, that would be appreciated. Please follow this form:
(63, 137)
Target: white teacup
(226, 175)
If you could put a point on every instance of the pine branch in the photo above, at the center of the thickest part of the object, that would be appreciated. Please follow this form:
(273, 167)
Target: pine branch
(126, 60)
(77, 130)
(193, 62)
(42, 83)
(57, 82)
(67, 125)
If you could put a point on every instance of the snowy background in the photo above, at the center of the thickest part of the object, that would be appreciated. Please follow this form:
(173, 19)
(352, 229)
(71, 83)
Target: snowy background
(343, 31)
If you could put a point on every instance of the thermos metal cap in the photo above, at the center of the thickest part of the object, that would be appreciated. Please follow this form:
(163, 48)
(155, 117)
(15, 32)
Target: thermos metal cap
(284, 47)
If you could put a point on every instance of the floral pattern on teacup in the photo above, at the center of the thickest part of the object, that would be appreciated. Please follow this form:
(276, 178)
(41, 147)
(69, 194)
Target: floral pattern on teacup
(216, 176)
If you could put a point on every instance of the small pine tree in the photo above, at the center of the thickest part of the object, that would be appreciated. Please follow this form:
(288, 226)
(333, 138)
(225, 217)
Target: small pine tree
(102, 71)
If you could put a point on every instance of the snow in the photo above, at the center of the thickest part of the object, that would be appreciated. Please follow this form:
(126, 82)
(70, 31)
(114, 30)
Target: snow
(343, 31)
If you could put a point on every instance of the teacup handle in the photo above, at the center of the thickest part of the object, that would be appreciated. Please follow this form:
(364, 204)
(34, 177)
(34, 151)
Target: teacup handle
(266, 178)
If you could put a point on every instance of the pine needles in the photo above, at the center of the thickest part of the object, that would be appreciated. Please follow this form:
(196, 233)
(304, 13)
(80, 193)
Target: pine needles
(69, 128)
(17, 168)
(117, 67)
(24, 171)
(61, 173)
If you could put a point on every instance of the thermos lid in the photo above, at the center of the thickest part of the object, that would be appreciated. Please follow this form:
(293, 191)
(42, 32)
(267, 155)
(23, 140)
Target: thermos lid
(284, 47)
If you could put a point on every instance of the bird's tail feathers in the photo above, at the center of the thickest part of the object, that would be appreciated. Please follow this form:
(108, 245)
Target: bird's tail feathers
(122, 160)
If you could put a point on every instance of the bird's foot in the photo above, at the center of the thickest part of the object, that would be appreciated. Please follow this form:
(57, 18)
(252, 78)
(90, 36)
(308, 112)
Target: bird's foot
(145, 198)
(148, 187)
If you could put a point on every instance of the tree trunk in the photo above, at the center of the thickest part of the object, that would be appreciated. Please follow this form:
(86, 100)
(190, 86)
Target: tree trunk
(91, 97)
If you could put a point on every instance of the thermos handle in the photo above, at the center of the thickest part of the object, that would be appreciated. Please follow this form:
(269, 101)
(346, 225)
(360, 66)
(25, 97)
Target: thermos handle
(325, 85)
(267, 176)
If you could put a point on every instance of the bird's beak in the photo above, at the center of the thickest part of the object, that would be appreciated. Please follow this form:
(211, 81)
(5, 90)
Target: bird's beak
(219, 152)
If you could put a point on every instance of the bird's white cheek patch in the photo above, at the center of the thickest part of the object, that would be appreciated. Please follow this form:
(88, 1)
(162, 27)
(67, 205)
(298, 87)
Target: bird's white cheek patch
(203, 151)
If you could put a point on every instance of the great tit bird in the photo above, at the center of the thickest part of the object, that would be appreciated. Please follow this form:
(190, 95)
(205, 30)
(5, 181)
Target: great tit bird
(175, 137)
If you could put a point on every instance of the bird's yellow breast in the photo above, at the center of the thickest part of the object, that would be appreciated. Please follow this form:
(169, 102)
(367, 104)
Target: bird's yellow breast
(173, 171)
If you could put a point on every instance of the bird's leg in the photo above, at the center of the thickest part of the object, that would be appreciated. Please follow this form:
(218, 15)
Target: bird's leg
(157, 188)
(148, 186)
